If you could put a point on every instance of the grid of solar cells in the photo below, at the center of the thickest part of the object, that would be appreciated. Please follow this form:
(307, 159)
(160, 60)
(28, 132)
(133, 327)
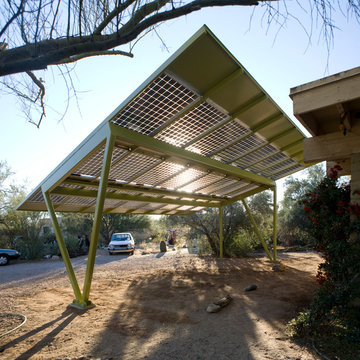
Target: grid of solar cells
(169, 207)
(215, 140)
(198, 208)
(184, 208)
(214, 188)
(243, 190)
(254, 157)
(159, 173)
(57, 199)
(93, 165)
(113, 203)
(183, 178)
(288, 171)
(81, 200)
(240, 148)
(135, 163)
(192, 124)
(273, 160)
(133, 204)
(118, 153)
(202, 182)
(158, 102)
(151, 206)
(284, 164)
(37, 196)
(230, 189)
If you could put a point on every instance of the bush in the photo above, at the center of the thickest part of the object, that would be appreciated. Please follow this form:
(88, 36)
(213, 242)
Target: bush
(30, 248)
(328, 210)
(242, 244)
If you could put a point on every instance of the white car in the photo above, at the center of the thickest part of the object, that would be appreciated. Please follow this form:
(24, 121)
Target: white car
(121, 243)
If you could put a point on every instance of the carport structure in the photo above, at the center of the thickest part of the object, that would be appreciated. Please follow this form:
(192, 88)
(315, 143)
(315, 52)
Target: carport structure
(199, 133)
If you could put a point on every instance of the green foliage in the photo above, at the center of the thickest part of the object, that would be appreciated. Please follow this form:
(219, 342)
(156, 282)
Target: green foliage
(293, 225)
(242, 245)
(204, 226)
(335, 226)
(112, 223)
(74, 246)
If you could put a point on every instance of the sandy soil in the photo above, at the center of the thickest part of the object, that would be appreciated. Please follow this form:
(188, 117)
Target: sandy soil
(154, 307)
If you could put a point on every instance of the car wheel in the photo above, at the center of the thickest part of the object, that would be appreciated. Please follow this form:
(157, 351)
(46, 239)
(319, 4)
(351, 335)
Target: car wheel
(110, 253)
(4, 260)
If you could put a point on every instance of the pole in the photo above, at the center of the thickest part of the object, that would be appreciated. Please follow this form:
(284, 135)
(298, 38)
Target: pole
(62, 247)
(257, 231)
(97, 217)
(221, 232)
(275, 224)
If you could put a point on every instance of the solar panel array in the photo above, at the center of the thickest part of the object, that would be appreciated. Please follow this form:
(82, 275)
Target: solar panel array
(168, 110)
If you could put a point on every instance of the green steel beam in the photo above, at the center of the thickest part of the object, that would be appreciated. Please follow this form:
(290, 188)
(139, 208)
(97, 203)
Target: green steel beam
(101, 195)
(63, 249)
(61, 190)
(269, 120)
(248, 105)
(221, 232)
(197, 102)
(257, 230)
(245, 195)
(74, 181)
(275, 224)
(196, 159)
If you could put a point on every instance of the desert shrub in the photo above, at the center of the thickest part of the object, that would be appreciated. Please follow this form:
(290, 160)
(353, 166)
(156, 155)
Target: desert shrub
(30, 248)
(74, 246)
(242, 244)
(203, 246)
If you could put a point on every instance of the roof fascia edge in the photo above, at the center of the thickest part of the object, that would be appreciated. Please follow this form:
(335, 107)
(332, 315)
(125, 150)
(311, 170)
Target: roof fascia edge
(85, 147)
(65, 167)
(168, 149)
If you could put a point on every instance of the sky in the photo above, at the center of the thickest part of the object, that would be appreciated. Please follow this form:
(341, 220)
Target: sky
(279, 58)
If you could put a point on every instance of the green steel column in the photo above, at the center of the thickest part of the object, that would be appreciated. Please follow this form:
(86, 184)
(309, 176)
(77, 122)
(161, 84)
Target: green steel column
(257, 231)
(221, 232)
(62, 247)
(275, 224)
(97, 218)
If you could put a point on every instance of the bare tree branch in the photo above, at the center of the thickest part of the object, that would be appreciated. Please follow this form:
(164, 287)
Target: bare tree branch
(40, 95)
(94, 53)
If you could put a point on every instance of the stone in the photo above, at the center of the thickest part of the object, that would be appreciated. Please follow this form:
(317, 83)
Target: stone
(219, 304)
(251, 288)
(278, 267)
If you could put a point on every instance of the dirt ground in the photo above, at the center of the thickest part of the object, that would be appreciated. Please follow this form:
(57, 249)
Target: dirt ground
(154, 307)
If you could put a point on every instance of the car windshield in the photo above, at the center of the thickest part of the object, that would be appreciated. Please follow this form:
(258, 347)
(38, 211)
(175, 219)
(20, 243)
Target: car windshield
(120, 237)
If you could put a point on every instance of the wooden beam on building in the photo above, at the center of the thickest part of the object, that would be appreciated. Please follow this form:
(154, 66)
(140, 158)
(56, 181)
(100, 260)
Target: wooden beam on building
(332, 146)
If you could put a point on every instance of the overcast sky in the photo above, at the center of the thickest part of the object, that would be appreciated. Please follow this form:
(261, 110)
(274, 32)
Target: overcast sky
(278, 58)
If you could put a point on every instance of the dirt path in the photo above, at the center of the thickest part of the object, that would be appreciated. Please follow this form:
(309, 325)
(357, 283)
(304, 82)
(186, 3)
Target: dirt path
(153, 307)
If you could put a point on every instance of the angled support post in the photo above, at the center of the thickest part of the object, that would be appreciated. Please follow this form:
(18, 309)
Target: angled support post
(97, 218)
(63, 249)
(257, 231)
(275, 223)
(221, 232)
